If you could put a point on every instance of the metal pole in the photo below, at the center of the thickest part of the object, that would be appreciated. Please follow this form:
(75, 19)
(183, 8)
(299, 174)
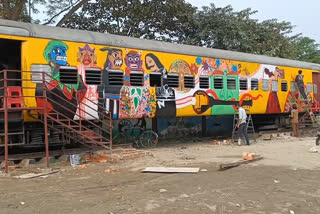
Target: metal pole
(6, 121)
(44, 94)
(110, 131)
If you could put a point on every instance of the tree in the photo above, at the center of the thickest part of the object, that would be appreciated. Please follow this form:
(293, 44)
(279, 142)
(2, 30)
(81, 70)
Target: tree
(166, 20)
(307, 49)
(225, 29)
(58, 11)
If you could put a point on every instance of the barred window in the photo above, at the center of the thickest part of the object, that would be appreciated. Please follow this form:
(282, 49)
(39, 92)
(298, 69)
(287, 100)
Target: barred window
(36, 77)
(68, 75)
(315, 88)
(275, 85)
(136, 78)
(188, 81)
(93, 76)
(155, 79)
(173, 80)
(115, 77)
(284, 86)
(265, 85)
(218, 82)
(309, 87)
(254, 84)
(243, 84)
(204, 82)
(231, 83)
(293, 87)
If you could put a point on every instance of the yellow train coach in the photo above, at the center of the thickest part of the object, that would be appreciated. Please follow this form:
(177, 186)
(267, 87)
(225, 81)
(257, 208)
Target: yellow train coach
(88, 74)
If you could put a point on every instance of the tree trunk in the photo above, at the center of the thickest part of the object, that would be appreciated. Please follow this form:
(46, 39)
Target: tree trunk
(73, 10)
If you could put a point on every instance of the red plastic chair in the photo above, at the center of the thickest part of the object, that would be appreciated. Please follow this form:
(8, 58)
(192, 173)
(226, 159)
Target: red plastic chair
(14, 99)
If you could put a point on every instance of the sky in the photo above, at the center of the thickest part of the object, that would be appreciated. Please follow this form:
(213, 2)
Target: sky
(304, 14)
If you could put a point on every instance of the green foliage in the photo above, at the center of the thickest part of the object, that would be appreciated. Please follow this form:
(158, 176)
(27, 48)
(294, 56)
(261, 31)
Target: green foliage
(307, 49)
(166, 20)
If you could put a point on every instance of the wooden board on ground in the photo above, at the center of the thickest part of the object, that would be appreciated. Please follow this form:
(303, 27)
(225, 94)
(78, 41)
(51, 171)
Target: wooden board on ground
(34, 175)
(171, 170)
(238, 163)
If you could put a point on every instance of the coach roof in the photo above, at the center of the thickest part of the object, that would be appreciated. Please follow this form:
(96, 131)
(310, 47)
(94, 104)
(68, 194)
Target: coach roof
(40, 31)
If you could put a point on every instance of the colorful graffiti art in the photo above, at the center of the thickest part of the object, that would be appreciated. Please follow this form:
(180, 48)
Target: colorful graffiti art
(56, 55)
(165, 95)
(134, 63)
(88, 59)
(109, 93)
(137, 102)
(273, 75)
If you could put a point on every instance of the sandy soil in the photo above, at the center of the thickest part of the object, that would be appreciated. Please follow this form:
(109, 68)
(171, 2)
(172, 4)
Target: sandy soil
(287, 180)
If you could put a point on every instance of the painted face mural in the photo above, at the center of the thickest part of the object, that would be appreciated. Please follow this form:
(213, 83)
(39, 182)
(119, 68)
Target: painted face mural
(133, 60)
(56, 53)
(86, 56)
(114, 58)
(62, 98)
(151, 64)
(109, 96)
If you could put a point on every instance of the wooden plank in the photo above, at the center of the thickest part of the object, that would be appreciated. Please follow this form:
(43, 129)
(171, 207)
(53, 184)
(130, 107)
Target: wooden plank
(34, 175)
(238, 163)
(171, 170)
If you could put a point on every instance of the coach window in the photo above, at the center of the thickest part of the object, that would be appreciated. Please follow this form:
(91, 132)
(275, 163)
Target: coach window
(36, 76)
(115, 77)
(155, 79)
(204, 82)
(231, 83)
(315, 88)
(265, 85)
(173, 80)
(188, 81)
(218, 82)
(284, 86)
(254, 84)
(136, 78)
(293, 87)
(275, 85)
(68, 75)
(93, 76)
(309, 87)
(243, 84)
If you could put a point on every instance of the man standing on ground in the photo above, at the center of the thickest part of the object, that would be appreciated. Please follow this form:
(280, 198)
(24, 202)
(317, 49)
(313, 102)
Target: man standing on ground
(295, 120)
(242, 124)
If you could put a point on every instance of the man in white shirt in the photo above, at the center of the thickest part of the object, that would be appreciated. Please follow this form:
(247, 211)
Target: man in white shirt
(242, 124)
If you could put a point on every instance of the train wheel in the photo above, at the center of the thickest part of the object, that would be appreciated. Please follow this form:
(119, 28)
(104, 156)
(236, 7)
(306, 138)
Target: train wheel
(148, 139)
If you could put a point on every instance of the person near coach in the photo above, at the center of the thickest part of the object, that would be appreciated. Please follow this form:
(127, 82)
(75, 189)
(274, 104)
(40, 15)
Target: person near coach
(242, 123)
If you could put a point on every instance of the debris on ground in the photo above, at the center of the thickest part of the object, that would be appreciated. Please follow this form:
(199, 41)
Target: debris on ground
(171, 169)
(34, 175)
(110, 171)
(240, 162)
(163, 190)
(248, 156)
(315, 149)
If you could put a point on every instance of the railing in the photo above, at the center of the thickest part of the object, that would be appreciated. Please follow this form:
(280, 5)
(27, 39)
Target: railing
(76, 126)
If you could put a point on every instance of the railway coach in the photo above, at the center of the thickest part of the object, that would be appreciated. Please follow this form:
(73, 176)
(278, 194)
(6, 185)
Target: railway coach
(88, 74)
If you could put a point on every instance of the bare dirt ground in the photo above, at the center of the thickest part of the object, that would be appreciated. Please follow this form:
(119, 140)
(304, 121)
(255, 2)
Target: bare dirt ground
(287, 180)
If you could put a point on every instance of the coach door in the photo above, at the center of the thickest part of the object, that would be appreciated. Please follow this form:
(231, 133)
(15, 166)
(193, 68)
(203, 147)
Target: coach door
(316, 87)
